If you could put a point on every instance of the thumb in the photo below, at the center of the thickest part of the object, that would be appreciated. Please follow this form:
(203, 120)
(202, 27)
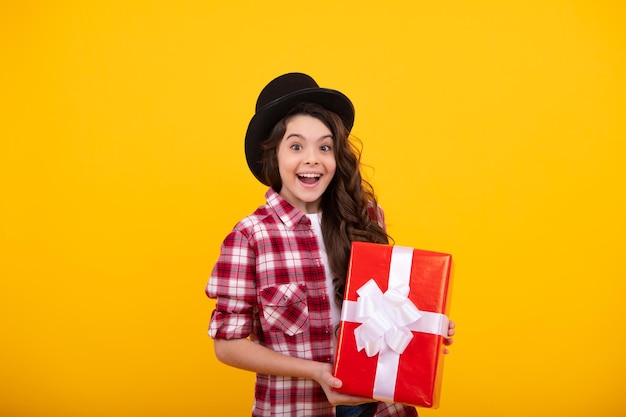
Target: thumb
(334, 382)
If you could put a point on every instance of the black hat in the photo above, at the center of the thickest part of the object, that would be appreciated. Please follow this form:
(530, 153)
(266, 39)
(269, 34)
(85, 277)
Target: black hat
(280, 96)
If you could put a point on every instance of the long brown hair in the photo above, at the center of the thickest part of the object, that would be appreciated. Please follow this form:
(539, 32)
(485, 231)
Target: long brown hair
(349, 206)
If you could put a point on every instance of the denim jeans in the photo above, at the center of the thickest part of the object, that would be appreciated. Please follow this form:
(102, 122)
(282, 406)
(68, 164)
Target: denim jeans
(362, 410)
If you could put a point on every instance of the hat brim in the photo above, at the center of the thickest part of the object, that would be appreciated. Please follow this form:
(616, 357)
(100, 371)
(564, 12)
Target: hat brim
(266, 118)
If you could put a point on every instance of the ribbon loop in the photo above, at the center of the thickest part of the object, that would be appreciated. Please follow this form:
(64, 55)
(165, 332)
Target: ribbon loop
(384, 319)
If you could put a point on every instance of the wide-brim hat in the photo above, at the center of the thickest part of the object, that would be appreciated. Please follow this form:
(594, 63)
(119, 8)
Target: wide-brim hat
(276, 100)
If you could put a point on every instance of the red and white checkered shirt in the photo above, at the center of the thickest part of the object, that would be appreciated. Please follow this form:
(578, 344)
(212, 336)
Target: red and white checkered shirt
(270, 285)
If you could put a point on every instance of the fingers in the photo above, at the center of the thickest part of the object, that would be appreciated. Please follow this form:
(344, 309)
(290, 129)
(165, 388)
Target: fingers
(344, 399)
(338, 398)
(447, 341)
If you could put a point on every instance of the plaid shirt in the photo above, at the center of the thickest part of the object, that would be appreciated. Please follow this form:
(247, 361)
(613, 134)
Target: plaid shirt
(270, 285)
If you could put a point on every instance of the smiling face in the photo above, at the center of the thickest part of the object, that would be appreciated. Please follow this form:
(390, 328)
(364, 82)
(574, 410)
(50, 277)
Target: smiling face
(306, 162)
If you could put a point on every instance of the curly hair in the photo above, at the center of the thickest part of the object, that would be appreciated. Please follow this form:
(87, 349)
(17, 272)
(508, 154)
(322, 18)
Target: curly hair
(349, 206)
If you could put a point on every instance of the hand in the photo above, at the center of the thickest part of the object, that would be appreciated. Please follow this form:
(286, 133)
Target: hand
(448, 340)
(329, 383)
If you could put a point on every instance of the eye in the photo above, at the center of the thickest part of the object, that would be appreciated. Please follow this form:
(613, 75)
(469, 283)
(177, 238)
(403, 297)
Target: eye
(326, 148)
(296, 147)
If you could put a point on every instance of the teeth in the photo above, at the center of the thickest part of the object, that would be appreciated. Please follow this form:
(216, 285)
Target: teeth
(309, 175)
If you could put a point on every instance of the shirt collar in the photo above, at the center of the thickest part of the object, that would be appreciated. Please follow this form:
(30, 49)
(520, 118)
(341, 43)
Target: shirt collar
(287, 213)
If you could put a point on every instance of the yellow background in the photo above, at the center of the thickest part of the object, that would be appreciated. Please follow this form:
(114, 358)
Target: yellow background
(494, 130)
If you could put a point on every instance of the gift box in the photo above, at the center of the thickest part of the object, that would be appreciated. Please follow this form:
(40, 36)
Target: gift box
(393, 323)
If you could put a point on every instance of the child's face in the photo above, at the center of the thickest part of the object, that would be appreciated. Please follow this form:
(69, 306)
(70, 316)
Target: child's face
(306, 162)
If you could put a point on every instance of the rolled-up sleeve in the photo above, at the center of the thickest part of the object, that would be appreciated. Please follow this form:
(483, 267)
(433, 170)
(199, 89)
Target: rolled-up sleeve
(232, 284)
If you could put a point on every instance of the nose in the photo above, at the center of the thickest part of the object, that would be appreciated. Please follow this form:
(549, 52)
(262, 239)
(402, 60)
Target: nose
(311, 157)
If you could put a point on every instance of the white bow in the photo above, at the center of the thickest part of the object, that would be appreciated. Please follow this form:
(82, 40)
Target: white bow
(384, 318)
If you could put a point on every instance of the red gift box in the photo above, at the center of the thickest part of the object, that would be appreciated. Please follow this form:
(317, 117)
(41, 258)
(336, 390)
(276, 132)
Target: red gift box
(393, 322)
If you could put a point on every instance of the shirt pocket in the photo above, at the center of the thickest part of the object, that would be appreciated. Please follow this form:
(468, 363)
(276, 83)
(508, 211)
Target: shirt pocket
(285, 308)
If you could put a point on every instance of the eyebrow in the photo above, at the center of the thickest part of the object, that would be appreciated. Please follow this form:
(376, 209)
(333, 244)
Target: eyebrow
(299, 136)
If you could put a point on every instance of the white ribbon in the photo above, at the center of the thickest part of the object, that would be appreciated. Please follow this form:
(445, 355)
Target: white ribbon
(388, 320)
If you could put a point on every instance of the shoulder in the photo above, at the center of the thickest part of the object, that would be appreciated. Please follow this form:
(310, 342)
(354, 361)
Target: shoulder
(258, 219)
(254, 226)
(376, 213)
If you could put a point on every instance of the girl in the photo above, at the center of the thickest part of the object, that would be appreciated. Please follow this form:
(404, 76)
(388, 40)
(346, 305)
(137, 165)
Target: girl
(281, 272)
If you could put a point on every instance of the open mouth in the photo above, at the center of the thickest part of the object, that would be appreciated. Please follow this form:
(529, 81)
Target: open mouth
(309, 178)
